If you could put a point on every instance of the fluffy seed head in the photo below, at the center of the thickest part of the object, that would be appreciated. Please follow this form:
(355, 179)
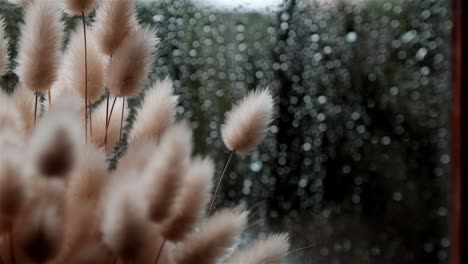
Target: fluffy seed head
(115, 19)
(213, 238)
(40, 45)
(3, 49)
(90, 177)
(139, 154)
(124, 226)
(39, 230)
(271, 250)
(24, 101)
(55, 143)
(77, 7)
(131, 62)
(73, 72)
(157, 112)
(164, 173)
(192, 201)
(247, 122)
(10, 117)
(12, 187)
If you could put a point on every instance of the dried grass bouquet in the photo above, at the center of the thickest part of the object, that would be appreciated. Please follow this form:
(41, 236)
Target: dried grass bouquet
(60, 202)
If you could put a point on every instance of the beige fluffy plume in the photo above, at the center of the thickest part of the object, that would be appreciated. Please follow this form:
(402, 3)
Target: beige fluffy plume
(12, 187)
(115, 19)
(138, 155)
(213, 238)
(271, 250)
(39, 228)
(73, 71)
(24, 100)
(247, 123)
(191, 204)
(78, 7)
(3, 48)
(54, 145)
(157, 112)
(124, 225)
(165, 172)
(9, 115)
(84, 193)
(131, 62)
(40, 45)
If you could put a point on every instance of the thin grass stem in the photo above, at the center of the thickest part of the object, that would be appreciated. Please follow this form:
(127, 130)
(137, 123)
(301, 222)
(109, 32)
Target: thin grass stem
(219, 182)
(158, 256)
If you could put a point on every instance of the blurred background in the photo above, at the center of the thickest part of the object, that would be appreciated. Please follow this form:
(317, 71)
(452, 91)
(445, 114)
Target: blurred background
(356, 167)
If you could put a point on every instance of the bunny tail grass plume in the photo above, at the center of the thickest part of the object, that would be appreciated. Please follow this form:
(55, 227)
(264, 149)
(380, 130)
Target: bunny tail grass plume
(78, 7)
(247, 122)
(23, 3)
(138, 155)
(92, 253)
(157, 112)
(3, 49)
(40, 45)
(12, 187)
(90, 177)
(166, 170)
(191, 204)
(131, 62)
(55, 143)
(85, 190)
(115, 19)
(271, 250)
(124, 225)
(24, 101)
(99, 125)
(9, 116)
(39, 229)
(212, 240)
(74, 67)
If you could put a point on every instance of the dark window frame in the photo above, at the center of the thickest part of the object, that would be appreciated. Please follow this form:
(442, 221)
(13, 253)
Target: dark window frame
(459, 183)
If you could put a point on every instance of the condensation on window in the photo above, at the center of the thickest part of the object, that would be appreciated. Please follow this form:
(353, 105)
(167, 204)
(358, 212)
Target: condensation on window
(356, 165)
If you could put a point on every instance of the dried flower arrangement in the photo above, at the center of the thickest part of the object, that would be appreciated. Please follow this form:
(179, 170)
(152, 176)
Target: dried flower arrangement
(59, 202)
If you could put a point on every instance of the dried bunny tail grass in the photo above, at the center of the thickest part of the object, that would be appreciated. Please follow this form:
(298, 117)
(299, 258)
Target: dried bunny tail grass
(247, 122)
(23, 3)
(91, 253)
(84, 193)
(165, 172)
(10, 138)
(115, 19)
(78, 7)
(131, 62)
(157, 112)
(12, 187)
(10, 117)
(24, 101)
(124, 225)
(74, 67)
(40, 45)
(191, 203)
(55, 143)
(90, 178)
(212, 240)
(99, 125)
(85, 190)
(271, 250)
(3, 48)
(138, 155)
(39, 229)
